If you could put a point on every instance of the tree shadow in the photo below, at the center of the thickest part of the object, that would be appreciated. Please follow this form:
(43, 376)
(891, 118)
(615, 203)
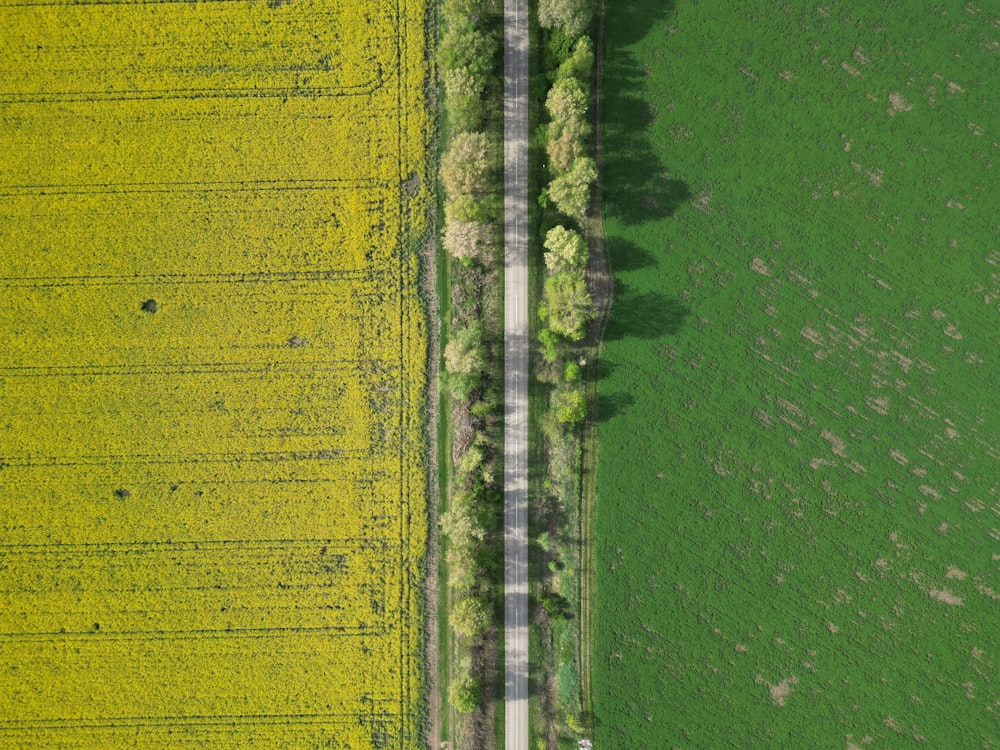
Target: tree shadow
(625, 255)
(644, 315)
(637, 186)
(610, 405)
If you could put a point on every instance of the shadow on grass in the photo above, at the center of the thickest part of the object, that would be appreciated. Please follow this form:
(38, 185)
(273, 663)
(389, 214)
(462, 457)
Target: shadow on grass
(610, 405)
(645, 315)
(637, 186)
(626, 255)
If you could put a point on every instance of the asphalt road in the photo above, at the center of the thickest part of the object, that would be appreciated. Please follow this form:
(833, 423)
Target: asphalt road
(515, 152)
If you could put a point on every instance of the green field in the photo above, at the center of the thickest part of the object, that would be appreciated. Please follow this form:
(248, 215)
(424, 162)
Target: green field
(799, 476)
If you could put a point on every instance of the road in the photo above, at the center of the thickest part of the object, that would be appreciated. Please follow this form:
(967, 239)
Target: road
(515, 158)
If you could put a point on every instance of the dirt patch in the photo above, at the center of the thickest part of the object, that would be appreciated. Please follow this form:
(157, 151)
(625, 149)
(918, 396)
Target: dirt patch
(779, 693)
(759, 266)
(944, 595)
(898, 103)
(956, 573)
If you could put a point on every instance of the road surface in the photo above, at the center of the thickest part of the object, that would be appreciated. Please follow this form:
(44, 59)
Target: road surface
(515, 158)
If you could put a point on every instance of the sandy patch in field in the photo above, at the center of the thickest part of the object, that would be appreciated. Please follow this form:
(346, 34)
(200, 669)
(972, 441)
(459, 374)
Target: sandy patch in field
(944, 595)
(956, 573)
(759, 266)
(878, 404)
(837, 446)
(898, 457)
(780, 692)
(898, 103)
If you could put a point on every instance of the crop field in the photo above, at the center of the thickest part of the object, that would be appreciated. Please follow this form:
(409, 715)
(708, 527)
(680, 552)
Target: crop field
(211, 376)
(798, 525)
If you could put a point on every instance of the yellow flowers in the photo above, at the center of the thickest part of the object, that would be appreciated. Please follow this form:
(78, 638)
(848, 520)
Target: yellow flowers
(212, 508)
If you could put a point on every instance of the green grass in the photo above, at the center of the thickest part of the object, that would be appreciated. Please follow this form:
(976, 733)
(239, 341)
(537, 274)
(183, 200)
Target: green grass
(800, 441)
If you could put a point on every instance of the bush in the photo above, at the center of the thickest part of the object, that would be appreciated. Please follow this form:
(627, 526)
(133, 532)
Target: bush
(571, 372)
(464, 693)
(550, 345)
(570, 406)
(469, 617)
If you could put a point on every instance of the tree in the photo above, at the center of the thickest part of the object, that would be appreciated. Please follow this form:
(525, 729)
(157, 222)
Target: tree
(467, 240)
(464, 692)
(567, 102)
(572, 17)
(467, 166)
(563, 147)
(571, 191)
(580, 63)
(463, 99)
(566, 304)
(565, 250)
(459, 523)
(467, 208)
(469, 617)
(464, 360)
(464, 47)
(570, 405)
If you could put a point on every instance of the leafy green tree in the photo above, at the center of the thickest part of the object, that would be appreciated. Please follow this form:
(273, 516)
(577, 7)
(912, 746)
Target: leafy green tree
(468, 164)
(565, 250)
(563, 147)
(571, 191)
(567, 102)
(463, 99)
(467, 48)
(580, 63)
(566, 304)
(464, 360)
(464, 692)
(453, 11)
(572, 17)
(569, 405)
(469, 617)
(467, 208)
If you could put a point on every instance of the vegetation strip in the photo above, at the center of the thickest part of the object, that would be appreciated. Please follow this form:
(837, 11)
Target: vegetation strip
(471, 524)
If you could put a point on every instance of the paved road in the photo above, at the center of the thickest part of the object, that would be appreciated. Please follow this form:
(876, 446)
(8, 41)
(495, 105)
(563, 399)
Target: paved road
(515, 156)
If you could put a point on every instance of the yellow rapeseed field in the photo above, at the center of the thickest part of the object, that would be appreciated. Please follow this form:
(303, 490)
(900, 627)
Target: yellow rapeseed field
(212, 511)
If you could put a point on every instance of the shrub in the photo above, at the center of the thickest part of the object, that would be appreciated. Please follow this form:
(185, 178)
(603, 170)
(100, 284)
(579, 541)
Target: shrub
(570, 406)
(464, 693)
(469, 617)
